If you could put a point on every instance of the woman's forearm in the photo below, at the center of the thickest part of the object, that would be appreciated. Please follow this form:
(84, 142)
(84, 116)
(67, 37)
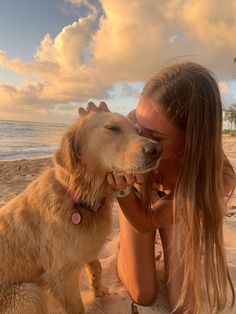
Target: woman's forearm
(163, 212)
(137, 216)
(141, 220)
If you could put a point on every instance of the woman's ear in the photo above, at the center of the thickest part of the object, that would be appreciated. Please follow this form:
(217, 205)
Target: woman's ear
(67, 156)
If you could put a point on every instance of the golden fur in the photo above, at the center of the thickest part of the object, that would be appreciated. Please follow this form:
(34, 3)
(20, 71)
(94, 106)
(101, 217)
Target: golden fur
(40, 247)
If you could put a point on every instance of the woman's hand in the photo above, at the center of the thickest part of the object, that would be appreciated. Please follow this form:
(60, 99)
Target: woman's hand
(118, 181)
(91, 107)
(132, 116)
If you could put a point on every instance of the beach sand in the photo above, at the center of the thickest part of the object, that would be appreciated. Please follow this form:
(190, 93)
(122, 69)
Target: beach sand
(16, 175)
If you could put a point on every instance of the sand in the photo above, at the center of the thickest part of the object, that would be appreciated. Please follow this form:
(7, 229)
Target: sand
(16, 175)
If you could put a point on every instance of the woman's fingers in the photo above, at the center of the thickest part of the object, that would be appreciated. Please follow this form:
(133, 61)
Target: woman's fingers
(132, 116)
(130, 179)
(122, 181)
(139, 178)
(103, 107)
(111, 181)
(82, 111)
(117, 181)
(92, 107)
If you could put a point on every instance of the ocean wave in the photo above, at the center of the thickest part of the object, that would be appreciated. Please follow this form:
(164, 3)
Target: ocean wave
(20, 139)
(26, 153)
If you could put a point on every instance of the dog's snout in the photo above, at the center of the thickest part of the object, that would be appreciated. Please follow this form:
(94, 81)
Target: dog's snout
(152, 149)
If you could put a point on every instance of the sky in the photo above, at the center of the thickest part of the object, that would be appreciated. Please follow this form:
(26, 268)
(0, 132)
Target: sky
(56, 55)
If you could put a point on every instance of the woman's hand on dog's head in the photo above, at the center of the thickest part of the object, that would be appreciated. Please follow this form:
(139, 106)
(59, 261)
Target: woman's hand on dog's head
(132, 116)
(91, 107)
(118, 181)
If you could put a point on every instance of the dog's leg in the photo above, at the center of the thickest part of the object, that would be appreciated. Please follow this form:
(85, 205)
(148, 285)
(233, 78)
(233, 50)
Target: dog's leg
(64, 285)
(95, 272)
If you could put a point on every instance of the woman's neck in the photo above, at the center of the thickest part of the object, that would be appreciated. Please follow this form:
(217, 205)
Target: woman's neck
(167, 172)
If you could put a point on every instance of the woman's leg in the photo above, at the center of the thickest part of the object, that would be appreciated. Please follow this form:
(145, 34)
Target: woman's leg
(174, 271)
(136, 262)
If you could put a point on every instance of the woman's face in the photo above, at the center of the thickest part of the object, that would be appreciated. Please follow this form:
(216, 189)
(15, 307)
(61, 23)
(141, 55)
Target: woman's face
(154, 124)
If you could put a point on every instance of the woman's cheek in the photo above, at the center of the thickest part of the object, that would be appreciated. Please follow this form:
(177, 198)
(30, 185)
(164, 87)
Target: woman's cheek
(169, 151)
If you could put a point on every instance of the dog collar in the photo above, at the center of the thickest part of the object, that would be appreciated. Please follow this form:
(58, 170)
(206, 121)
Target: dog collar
(76, 217)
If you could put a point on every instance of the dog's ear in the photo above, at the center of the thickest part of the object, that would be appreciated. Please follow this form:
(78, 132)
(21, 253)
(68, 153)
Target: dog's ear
(67, 155)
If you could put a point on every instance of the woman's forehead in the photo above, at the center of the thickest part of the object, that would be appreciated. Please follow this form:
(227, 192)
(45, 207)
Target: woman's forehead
(152, 116)
(149, 117)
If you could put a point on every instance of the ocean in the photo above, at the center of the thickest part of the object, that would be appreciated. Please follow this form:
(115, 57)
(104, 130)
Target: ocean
(21, 139)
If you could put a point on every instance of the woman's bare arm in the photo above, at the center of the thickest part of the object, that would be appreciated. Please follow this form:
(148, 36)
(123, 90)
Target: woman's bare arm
(141, 219)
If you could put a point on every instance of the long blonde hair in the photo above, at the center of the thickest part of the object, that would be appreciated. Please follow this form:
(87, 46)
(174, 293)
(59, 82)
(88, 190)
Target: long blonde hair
(190, 97)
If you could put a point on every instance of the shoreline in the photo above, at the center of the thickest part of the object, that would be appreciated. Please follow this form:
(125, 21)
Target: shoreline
(27, 158)
(229, 139)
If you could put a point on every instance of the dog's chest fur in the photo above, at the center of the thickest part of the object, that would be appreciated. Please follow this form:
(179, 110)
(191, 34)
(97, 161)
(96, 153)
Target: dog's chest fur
(76, 243)
(79, 243)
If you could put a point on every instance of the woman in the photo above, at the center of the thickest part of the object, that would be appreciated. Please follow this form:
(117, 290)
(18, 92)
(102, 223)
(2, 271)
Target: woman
(181, 108)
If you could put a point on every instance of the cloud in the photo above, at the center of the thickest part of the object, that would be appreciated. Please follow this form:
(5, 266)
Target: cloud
(123, 90)
(127, 43)
(132, 44)
(224, 87)
(227, 94)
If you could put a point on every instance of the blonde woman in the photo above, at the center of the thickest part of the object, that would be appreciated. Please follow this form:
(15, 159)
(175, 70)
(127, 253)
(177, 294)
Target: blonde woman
(181, 109)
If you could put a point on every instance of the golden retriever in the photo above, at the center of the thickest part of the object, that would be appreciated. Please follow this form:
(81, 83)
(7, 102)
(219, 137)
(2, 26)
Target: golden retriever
(61, 221)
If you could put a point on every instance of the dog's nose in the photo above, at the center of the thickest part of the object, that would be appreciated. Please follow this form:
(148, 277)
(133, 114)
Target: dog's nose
(152, 149)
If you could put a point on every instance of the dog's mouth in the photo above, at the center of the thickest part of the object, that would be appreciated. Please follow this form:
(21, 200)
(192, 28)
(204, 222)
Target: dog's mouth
(139, 170)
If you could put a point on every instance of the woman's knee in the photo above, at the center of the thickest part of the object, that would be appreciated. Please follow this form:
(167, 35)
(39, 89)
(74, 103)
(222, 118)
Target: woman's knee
(141, 287)
(144, 296)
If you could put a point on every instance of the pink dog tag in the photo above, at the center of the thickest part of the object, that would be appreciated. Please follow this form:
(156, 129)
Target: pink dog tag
(76, 218)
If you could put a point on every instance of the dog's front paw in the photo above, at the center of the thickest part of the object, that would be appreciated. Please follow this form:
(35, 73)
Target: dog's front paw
(101, 292)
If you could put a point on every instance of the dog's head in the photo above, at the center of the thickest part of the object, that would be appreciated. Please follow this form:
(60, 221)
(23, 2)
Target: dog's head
(107, 142)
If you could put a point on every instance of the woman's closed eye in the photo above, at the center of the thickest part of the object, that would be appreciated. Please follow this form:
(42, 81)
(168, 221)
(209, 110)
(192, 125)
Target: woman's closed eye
(151, 134)
(157, 136)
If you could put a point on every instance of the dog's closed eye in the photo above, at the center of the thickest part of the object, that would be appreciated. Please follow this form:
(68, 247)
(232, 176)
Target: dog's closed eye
(113, 128)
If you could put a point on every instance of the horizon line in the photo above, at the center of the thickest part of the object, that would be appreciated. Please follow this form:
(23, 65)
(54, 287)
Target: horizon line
(43, 122)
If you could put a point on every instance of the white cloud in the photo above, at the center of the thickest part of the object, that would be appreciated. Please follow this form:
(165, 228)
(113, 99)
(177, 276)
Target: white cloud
(224, 87)
(129, 43)
(227, 93)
